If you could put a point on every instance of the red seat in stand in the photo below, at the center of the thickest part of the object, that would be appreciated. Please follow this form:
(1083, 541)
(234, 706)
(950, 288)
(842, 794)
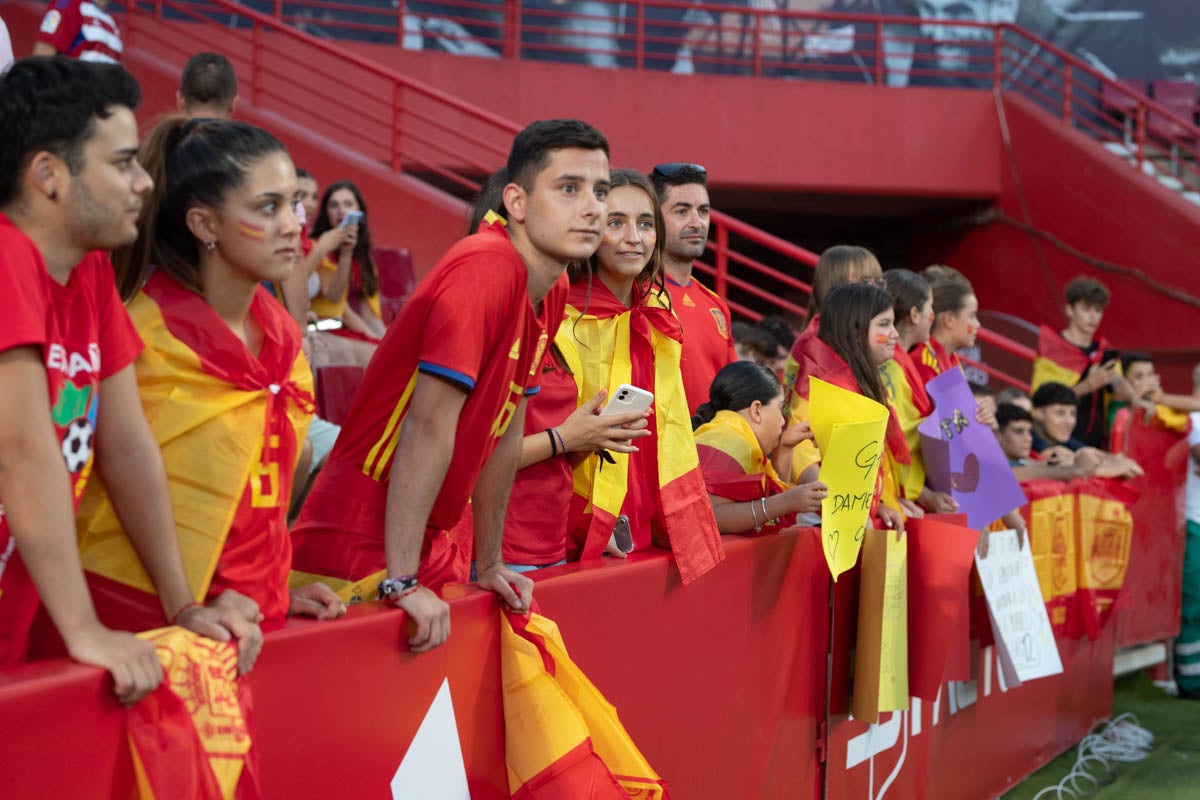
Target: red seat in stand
(396, 281)
(336, 385)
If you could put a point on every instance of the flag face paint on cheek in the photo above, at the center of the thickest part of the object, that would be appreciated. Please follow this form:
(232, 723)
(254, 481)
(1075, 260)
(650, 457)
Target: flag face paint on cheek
(250, 231)
(882, 338)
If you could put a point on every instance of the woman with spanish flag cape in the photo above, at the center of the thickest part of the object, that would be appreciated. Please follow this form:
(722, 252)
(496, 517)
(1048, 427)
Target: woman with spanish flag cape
(913, 308)
(225, 387)
(857, 337)
(622, 331)
(738, 428)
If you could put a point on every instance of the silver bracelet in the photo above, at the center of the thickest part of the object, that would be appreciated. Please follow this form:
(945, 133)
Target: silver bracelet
(766, 517)
(754, 514)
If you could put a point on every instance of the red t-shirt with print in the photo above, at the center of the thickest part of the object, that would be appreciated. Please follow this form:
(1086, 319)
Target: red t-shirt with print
(84, 335)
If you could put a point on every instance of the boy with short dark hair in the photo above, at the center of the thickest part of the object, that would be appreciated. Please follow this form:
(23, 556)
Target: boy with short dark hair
(1053, 425)
(440, 415)
(1082, 359)
(1015, 434)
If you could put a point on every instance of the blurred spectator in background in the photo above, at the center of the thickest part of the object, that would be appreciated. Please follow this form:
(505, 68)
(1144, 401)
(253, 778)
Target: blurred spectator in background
(749, 343)
(1054, 407)
(208, 87)
(6, 53)
(1015, 434)
(1187, 646)
(349, 280)
(1014, 397)
(80, 29)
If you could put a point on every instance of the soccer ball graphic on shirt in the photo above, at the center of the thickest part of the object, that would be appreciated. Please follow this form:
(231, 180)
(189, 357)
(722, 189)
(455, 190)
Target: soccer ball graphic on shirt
(77, 445)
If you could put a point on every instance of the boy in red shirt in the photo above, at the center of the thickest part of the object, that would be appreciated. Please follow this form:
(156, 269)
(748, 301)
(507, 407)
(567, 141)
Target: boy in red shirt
(70, 187)
(707, 334)
(440, 414)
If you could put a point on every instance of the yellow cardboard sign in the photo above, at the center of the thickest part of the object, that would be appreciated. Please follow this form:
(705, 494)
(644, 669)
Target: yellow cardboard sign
(881, 655)
(849, 430)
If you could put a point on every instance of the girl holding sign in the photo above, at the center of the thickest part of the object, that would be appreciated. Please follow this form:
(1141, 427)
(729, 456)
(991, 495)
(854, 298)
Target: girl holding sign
(858, 336)
(737, 431)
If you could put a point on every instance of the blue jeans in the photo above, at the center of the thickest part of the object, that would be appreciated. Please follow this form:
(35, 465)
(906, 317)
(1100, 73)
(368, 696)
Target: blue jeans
(519, 568)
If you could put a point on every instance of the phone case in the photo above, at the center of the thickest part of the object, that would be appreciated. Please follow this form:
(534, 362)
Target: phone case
(627, 399)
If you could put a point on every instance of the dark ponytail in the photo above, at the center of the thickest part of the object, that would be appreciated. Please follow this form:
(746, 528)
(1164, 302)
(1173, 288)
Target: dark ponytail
(490, 199)
(192, 162)
(908, 291)
(735, 388)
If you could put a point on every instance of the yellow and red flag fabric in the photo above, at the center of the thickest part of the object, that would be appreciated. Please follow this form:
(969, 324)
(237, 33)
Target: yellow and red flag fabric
(230, 425)
(608, 345)
(1050, 520)
(563, 740)
(910, 404)
(734, 465)
(192, 736)
(1164, 417)
(1059, 361)
(1105, 536)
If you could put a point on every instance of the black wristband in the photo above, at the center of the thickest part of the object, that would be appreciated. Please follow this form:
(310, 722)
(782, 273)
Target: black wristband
(553, 443)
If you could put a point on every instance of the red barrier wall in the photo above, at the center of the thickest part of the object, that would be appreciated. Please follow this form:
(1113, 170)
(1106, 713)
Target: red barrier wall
(721, 684)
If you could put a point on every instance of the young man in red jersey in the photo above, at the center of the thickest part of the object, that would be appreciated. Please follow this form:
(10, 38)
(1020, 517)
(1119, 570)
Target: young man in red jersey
(440, 414)
(70, 188)
(707, 333)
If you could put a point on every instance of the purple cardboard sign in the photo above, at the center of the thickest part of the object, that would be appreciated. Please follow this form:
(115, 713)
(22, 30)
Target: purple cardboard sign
(962, 456)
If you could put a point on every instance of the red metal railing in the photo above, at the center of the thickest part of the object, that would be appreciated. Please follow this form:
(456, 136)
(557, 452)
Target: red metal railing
(406, 126)
(770, 42)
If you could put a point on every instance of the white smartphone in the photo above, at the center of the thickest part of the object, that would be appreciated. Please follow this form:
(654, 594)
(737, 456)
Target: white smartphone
(627, 399)
(351, 218)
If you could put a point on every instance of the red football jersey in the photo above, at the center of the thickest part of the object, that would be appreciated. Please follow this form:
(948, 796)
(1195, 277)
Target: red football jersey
(469, 322)
(84, 335)
(707, 340)
(81, 29)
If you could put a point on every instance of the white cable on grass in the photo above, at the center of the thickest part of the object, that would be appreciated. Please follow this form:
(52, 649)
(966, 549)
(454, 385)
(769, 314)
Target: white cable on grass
(1118, 741)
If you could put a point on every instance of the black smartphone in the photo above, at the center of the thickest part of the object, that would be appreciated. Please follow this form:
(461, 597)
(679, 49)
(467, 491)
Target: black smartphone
(622, 536)
(1109, 354)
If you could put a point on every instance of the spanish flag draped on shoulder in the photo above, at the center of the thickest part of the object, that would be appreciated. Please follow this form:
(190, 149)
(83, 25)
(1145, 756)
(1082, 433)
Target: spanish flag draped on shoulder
(910, 404)
(734, 465)
(640, 346)
(563, 740)
(230, 425)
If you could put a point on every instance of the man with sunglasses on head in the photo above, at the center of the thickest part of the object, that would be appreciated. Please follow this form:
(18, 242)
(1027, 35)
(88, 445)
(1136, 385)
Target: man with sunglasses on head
(707, 335)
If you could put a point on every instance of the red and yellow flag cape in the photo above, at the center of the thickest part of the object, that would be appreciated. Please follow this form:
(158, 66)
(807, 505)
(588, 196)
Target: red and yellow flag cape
(208, 402)
(734, 465)
(563, 739)
(607, 345)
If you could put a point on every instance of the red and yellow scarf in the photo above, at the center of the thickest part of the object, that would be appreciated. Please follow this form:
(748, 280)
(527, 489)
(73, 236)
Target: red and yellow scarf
(734, 464)
(609, 344)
